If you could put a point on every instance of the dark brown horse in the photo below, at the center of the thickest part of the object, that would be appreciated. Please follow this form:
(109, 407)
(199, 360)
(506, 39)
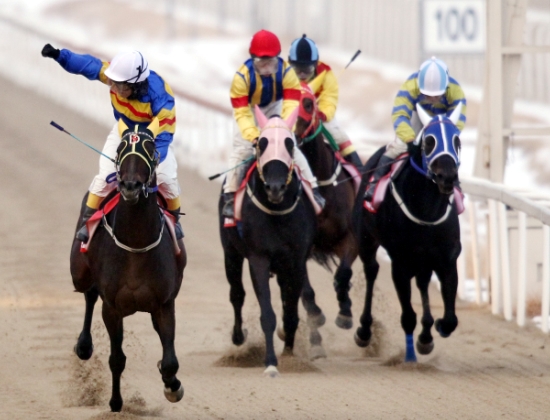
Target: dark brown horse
(335, 237)
(275, 235)
(417, 223)
(132, 263)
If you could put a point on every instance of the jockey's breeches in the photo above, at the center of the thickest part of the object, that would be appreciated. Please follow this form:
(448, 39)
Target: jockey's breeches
(243, 149)
(167, 171)
(340, 137)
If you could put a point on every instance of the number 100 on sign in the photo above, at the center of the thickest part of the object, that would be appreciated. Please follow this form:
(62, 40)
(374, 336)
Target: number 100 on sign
(453, 26)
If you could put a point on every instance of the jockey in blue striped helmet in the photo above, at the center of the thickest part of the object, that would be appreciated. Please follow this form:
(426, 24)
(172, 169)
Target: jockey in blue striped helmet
(437, 92)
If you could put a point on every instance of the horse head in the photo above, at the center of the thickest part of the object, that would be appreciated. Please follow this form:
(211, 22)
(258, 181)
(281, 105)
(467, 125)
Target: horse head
(308, 118)
(275, 151)
(136, 160)
(439, 143)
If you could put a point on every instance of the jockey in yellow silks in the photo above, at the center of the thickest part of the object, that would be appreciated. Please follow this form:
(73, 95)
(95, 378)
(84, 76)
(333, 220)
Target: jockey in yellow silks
(138, 95)
(437, 92)
(268, 81)
(304, 57)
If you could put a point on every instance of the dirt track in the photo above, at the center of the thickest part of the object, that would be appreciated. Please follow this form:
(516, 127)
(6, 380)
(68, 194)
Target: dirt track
(487, 369)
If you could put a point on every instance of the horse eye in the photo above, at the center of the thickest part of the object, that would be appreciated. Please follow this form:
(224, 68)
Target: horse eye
(262, 143)
(429, 145)
(149, 148)
(456, 144)
(121, 147)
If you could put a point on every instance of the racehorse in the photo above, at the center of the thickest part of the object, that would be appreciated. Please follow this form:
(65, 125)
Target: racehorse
(335, 235)
(417, 223)
(275, 234)
(132, 262)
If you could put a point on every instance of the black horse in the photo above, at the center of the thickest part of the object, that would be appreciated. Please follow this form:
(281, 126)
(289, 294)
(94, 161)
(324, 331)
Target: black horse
(132, 262)
(335, 235)
(417, 223)
(275, 235)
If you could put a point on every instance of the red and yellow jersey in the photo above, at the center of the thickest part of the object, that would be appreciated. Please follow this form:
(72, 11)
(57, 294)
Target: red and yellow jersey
(326, 90)
(157, 102)
(249, 88)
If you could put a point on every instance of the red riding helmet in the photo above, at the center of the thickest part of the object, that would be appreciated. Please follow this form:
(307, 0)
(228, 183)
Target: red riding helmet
(265, 44)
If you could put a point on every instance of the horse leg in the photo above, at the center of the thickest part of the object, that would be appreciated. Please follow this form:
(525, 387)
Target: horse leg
(84, 346)
(165, 322)
(315, 316)
(425, 343)
(290, 295)
(370, 267)
(347, 253)
(402, 282)
(259, 271)
(314, 321)
(117, 359)
(234, 273)
(449, 284)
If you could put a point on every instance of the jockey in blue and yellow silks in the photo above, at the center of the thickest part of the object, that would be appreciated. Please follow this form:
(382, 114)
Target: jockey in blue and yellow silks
(138, 95)
(437, 92)
(268, 81)
(304, 57)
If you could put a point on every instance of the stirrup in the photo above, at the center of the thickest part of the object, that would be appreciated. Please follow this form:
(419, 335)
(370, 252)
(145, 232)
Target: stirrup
(179, 231)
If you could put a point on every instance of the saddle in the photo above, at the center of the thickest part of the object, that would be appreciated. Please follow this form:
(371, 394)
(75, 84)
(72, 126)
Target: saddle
(239, 196)
(382, 186)
(110, 203)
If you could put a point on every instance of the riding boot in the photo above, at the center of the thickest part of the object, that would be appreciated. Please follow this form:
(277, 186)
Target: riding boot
(384, 165)
(319, 199)
(355, 160)
(177, 225)
(82, 233)
(229, 204)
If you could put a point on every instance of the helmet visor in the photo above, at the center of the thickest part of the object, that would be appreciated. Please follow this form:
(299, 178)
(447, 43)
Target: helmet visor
(266, 65)
(304, 72)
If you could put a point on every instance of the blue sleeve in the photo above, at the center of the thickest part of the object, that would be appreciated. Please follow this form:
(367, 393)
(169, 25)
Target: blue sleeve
(83, 64)
(162, 142)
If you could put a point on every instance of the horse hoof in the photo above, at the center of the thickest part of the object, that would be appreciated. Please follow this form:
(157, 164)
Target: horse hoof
(83, 354)
(317, 352)
(360, 342)
(281, 334)
(239, 340)
(173, 396)
(344, 322)
(316, 321)
(439, 329)
(271, 372)
(424, 348)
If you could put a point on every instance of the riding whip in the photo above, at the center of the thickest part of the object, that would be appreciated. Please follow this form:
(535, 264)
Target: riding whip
(210, 178)
(352, 60)
(83, 142)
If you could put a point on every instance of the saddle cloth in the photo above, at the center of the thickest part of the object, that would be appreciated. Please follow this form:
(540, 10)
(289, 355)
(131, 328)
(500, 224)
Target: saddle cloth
(352, 171)
(95, 221)
(239, 196)
(382, 186)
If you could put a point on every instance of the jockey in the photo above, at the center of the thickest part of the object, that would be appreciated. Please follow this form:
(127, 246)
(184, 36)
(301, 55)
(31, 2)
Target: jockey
(304, 57)
(438, 94)
(265, 80)
(138, 95)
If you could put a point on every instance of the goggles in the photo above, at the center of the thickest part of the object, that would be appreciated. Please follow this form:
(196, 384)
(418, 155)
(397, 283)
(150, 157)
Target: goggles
(266, 65)
(304, 71)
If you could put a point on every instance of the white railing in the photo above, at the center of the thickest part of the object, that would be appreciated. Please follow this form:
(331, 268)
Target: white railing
(508, 268)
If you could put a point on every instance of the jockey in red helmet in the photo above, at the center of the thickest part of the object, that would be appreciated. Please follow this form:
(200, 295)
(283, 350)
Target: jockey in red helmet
(268, 81)
(304, 58)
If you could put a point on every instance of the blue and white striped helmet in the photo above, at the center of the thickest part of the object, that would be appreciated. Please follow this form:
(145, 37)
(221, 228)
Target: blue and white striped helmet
(433, 77)
(303, 51)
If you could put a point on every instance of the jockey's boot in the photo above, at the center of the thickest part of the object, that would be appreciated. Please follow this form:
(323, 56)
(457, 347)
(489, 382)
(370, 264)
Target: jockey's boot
(318, 197)
(177, 225)
(228, 204)
(384, 165)
(355, 160)
(82, 233)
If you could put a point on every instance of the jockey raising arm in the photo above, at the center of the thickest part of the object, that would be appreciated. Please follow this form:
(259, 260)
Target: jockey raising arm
(268, 81)
(437, 92)
(138, 95)
(304, 57)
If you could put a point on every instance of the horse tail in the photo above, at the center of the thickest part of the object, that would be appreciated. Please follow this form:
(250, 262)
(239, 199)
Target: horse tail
(324, 259)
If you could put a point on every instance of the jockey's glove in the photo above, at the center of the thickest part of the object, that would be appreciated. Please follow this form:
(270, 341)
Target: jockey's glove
(51, 52)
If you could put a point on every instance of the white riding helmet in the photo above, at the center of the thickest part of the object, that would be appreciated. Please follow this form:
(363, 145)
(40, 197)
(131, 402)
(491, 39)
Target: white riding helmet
(129, 67)
(433, 77)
